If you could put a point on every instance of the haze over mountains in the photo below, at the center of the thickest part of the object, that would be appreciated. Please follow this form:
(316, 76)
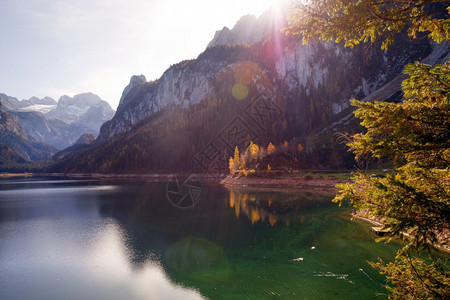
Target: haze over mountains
(17, 147)
(47, 122)
(249, 29)
(251, 84)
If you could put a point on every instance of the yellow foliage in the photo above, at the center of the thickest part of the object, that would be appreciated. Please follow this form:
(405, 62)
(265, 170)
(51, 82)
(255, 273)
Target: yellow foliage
(272, 220)
(255, 216)
(254, 150)
(271, 149)
(236, 155)
(232, 166)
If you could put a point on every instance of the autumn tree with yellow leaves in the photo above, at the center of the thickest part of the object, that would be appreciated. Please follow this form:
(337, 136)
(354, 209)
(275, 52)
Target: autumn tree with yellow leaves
(414, 201)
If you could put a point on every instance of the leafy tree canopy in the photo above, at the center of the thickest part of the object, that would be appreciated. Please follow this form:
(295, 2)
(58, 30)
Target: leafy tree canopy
(368, 20)
(414, 201)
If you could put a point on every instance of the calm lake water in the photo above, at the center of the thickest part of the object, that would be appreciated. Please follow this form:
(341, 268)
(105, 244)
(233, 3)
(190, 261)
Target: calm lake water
(66, 239)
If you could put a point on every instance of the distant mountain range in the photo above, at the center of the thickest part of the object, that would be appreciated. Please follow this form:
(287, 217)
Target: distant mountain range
(61, 123)
(16, 145)
(252, 83)
(34, 130)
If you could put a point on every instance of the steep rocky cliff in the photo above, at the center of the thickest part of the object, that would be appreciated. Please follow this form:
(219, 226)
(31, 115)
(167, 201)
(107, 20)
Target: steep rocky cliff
(297, 73)
(14, 137)
(269, 89)
(9, 125)
(251, 30)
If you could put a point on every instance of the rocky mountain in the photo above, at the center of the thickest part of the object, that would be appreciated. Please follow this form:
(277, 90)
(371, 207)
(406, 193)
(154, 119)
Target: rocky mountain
(252, 83)
(9, 103)
(43, 101)
(14, 137)
(293, 70)
(9, 125)
(134, 81)
(60, 123)
(85, 139)
(249, 29)
(9, 156)
(43, 105)
(246, 31)
(88, 109)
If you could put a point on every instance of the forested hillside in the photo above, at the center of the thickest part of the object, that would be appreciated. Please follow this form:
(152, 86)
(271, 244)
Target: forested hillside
(277, 90)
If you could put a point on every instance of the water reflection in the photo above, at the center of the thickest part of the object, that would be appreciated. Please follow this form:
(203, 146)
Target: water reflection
(198, 259)
(274, 207)
(125, 240)
(78, 260)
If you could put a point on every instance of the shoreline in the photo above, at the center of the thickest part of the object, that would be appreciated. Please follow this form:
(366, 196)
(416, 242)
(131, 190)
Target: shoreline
(288, 184)
(291, 183)
(378, 224)
(121, 176)
(12, 175)
(316, 185)
(295, 183)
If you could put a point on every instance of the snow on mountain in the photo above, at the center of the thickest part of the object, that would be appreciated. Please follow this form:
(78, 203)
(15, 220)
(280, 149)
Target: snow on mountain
(60, 123)
(42, 108)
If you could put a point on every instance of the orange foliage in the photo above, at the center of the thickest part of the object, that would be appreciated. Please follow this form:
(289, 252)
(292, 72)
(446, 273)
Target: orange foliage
(255, 216)
(272, 219)
(271, 149)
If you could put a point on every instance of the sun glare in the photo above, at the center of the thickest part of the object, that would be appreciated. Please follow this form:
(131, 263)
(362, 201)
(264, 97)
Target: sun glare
(258, 7)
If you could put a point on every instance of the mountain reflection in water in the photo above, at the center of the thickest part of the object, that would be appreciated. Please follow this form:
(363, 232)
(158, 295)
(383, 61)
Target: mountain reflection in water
(125, 240)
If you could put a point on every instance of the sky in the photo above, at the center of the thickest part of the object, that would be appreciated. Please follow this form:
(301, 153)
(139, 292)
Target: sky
(66, 47)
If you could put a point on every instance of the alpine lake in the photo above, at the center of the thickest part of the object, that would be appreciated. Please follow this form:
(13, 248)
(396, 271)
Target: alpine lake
(177, 239)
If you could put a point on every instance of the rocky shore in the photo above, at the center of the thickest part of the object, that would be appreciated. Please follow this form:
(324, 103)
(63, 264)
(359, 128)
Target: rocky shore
(286, 183)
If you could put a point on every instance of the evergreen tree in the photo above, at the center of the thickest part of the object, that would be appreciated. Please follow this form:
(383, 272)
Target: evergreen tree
(234, 162)
(414, 201)
(236, 156)
(231, 166)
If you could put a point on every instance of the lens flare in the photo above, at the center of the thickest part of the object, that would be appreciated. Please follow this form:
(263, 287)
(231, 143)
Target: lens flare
(239, 91)
(244, 75)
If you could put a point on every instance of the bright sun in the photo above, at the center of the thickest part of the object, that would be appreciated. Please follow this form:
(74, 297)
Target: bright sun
(259, 6)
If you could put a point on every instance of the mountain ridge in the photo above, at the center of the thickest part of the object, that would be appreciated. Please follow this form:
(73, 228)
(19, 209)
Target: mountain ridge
(60, 123)
(14, 137)
(275, 91)
(285, 61)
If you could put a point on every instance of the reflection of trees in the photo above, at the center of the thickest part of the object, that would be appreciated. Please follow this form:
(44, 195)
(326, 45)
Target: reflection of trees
(281, 208)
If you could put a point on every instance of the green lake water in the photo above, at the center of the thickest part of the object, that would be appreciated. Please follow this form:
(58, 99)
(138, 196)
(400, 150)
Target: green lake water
(88, 239)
